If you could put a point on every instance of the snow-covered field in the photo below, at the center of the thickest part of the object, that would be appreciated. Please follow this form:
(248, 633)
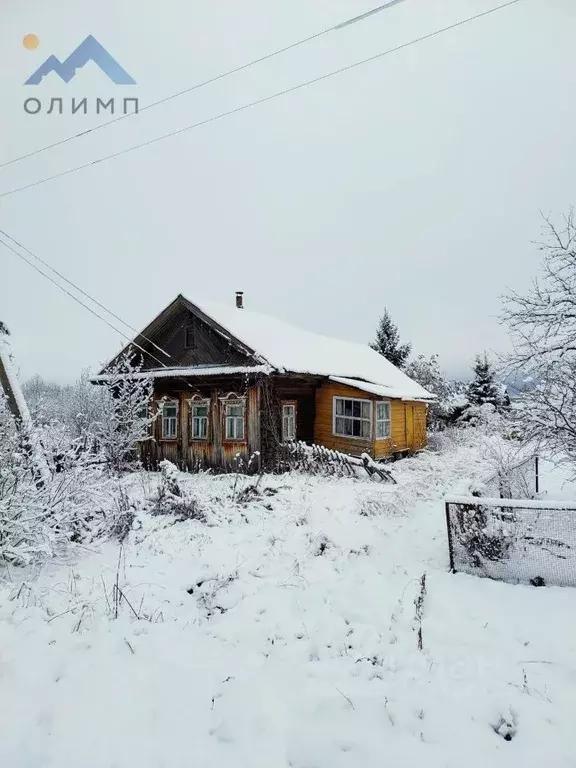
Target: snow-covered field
(283, 631)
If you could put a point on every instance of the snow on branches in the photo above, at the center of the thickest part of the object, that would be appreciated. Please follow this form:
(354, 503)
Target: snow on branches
(126, 414)
(542, 327)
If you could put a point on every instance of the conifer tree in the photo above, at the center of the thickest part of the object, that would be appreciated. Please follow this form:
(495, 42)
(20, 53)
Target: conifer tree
(483, 389)
(387, 342)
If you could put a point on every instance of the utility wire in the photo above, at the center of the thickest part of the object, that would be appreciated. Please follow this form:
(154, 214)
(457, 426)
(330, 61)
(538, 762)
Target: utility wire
(214, 79)
(243, 107)
(96, 314)
(82, 291)
(79, 301)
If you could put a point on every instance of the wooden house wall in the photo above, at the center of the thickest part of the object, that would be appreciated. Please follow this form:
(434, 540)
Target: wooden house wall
(216, 451)
(323, 429)
(407, 424)
(264, 397)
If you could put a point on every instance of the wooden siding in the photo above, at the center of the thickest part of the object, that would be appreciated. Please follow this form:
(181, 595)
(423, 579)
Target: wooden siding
(209, 348)
(323, 428)
(314, 421)
(216, 452)
(402, 415)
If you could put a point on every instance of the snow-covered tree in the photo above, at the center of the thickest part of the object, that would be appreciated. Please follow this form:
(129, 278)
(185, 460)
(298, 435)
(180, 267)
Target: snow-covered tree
(126, 414)
(387, 342)
(484, 389)
(426, 371)
(542, 325)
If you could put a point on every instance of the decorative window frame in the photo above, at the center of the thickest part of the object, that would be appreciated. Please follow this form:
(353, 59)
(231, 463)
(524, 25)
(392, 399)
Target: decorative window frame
(356, 418)
(291, 404)
(169, 402)
(233, 398)
(387, 421)
(198, 399)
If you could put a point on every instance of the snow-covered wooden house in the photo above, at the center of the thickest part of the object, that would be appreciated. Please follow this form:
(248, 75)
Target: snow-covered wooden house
(238, 383)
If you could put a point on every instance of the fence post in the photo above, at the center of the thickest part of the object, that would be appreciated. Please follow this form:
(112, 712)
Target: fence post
(449, 532)
(537, 471)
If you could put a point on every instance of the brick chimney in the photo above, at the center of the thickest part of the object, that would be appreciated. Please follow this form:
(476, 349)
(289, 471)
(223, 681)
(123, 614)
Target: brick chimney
(240, 299)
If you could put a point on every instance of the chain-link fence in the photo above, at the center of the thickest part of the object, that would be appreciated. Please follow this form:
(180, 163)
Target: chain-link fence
(521, 542)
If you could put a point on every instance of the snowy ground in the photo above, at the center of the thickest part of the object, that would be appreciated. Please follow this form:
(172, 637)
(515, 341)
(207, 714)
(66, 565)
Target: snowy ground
(283, 632)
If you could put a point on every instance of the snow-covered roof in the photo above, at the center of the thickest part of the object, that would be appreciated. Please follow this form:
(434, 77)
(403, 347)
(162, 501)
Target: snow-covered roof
(382, 390)
(191, 370)
(288, 348)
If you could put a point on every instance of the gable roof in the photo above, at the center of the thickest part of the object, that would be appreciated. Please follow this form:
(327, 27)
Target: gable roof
(276, 345)
(288, 348)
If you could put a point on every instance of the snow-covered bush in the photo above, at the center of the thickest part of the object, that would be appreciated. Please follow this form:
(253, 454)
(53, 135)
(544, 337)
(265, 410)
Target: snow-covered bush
(125, 415)
(171, 498)
(39, 514)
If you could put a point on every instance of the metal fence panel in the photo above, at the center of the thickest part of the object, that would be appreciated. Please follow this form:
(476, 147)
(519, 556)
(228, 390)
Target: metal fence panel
(521, 542)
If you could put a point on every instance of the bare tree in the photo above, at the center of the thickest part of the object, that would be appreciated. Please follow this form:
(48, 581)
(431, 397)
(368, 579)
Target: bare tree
(542, 327)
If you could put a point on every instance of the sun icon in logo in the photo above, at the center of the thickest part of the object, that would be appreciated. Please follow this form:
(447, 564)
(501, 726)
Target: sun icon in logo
(31, 42)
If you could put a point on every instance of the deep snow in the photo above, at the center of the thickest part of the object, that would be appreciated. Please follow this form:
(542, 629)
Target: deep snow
(283, 632)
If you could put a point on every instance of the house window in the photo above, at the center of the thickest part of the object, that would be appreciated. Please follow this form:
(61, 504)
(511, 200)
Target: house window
(189, 337)
(234, 418)
(169, 421)
(382, 420)
(288, 422)
(352, 417)
(199, 419)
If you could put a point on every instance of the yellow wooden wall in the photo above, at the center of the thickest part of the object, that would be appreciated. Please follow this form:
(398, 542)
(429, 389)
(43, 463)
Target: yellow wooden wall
(407, 424)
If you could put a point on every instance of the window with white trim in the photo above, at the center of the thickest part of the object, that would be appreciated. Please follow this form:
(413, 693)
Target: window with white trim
(234, 419)
(288, 422)
(199, 418)
(352, 417)
(169, 420)
(382, 420)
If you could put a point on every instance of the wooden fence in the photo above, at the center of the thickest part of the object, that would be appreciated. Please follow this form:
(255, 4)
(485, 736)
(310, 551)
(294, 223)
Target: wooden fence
(318, 460)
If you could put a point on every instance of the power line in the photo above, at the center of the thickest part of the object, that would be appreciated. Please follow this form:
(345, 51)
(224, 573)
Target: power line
(82, 291)
(315, 80)
(211, 80)
(79, 301)
(92, 311)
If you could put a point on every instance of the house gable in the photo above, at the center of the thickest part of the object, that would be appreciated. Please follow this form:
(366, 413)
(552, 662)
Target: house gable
(190, 338)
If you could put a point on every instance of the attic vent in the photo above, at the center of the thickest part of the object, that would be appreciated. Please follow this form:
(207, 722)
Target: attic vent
(240, 299)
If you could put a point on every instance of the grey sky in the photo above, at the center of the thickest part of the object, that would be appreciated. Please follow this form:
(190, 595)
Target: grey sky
(414, 181)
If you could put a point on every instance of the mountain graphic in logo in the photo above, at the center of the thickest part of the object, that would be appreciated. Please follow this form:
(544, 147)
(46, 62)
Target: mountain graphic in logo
(89, 50)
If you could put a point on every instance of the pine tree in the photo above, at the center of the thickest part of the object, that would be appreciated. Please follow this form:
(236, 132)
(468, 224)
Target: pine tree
(483, 389)
(387, 342)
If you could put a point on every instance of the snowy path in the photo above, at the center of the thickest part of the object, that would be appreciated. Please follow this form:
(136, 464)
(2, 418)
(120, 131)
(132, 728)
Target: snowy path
(283, 633)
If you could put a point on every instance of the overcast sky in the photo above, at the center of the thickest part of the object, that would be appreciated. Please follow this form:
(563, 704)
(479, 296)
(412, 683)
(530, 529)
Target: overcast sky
(413, 182)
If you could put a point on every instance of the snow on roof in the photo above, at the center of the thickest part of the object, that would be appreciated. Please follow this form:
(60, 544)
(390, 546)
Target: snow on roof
(288, 348)
(384, 391)
(190, 370)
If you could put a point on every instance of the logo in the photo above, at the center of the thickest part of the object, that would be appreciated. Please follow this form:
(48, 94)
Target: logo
(89, 50)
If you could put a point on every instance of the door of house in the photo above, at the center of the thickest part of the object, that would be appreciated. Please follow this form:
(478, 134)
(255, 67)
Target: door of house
(409, 426)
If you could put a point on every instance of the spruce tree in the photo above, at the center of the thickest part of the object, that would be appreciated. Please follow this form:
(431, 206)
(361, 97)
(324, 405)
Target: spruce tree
(387, 342)
(483, 389)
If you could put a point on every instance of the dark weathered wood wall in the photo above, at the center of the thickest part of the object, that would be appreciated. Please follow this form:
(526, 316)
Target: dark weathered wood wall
(215, 452)
(209, 347)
